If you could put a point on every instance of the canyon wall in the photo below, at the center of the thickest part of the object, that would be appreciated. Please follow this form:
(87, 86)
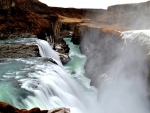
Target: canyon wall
(100, 47)
(94, 29)
(108, 54)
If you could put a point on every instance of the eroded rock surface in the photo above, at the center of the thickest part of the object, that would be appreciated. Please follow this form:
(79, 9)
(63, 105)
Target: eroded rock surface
(7, 108)
(18, 51)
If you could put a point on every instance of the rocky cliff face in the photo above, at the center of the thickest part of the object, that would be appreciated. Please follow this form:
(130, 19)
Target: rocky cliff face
(100, 47)
(103, 48)
(34, 17)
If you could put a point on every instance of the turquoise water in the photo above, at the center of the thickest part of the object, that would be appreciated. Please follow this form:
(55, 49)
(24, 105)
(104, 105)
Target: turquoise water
(35, 82)
(76, 66)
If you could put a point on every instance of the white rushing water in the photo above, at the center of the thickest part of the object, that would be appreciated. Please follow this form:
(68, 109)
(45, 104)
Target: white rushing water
(36, 82)
(47, 51)
(40, 83)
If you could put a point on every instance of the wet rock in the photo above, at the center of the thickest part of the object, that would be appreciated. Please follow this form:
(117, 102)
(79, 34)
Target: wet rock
(64, 58)
(1, 60)
(7, 108)
(35, 110)
(76, 37)
(50, 59)
(73, 72)
(61, 46)
(60, 110)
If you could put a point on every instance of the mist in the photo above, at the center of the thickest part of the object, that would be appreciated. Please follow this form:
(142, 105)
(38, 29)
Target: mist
(124, 88)
(119, 69)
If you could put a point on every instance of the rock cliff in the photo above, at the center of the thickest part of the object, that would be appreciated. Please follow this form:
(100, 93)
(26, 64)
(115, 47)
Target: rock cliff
(100, 47)
(34, 17)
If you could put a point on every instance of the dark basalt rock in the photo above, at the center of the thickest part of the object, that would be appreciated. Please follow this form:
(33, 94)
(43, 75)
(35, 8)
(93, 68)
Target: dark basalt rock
(64, 58)
(18, 51)
(73, 72)
(50, 59)
(76, 39)
(61, 46)
(1, 60)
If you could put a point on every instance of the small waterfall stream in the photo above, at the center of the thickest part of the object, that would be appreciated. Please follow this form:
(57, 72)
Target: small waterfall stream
(46, 50)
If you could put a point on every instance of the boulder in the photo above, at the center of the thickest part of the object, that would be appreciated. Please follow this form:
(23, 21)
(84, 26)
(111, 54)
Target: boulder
(64, 58)
(60, 110)
(50, 60)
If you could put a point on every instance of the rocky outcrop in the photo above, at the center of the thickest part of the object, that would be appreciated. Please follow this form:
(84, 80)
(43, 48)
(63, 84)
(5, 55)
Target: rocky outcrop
(63, 50)
(27, 51)
(103, 47)
(76, 36)
(18, 51)
(36, 18)
(60, 110)
(7, 108)
(100, 47)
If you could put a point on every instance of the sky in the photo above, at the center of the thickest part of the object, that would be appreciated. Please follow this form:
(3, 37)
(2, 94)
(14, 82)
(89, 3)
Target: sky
(88, 3)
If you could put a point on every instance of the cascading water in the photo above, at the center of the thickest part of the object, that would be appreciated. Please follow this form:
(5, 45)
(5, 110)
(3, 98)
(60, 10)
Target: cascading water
(39, 83)
(35, 82)
(47, 51)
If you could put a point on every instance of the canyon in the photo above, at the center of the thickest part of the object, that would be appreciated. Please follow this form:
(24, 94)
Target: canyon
(25, 19)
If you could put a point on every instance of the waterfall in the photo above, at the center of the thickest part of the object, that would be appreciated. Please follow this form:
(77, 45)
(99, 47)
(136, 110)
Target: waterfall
(34, 82)
(53, 88)
(47, 51)
(52, 85)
